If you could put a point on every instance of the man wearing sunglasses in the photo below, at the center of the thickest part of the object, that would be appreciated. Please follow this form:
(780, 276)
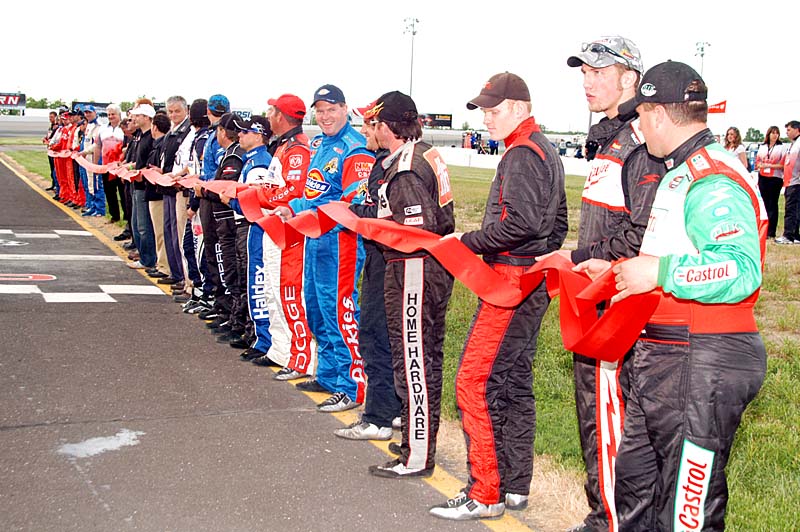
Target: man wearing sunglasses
(619, 190)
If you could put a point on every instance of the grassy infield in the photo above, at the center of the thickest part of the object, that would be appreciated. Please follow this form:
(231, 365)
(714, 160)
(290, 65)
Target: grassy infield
(764, 471)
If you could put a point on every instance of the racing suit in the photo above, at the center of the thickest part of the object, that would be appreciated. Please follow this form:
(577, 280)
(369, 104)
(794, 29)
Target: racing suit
(339, 168)
(212, 155)
(288, 330)
(382, 404)
(229, 169)
(416, 192)
(700, 359)
(95, 198)
(65, 170)
(619, 190)
(526, 216)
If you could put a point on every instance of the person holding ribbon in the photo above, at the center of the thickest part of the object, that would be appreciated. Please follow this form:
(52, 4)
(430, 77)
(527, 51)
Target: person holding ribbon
(526, 216)
(700, 359)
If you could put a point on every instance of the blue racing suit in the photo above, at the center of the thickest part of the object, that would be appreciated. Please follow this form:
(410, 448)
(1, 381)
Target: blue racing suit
(339, 169)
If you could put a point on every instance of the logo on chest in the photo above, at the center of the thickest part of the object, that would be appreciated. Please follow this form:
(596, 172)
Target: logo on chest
(316, 184)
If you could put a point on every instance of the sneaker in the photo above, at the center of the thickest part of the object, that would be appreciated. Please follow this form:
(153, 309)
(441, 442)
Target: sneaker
(217, 322)
(288, 374)
(396, 469)
(264, 361)
(397, 423)
(227, 337)
(209, 314)
(88, 212)
(469, 509)
(395, 448)
(515, 501)
(311, 385)
(135, 265)
(239, 343)
(783, 240)
(195, 307)
(361, 430)
(223, 329)
(251, 353)
(457, 500)
(338, 402)
(129, 246)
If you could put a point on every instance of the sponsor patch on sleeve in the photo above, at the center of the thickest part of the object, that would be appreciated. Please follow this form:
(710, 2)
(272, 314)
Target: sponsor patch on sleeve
(411, 210)
(727, 231)
(705, 274)
(413, 220)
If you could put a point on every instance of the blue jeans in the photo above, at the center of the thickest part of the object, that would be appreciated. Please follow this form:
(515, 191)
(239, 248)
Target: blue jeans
(143, 236)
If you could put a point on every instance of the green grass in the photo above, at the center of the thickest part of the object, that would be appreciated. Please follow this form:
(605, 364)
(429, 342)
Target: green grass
(764, 469)
(33, 160)
(20, 141)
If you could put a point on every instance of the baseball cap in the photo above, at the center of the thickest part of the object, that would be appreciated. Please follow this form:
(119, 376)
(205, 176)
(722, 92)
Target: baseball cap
(219, 103)
(668, 82)
(143, 109)
(607, 51)
(393, 107)
(89, 108)
(254, 124)
(328, 93)
(366, 111)
(290, 104)
(228, 121)
(503, 86)
(198, 109)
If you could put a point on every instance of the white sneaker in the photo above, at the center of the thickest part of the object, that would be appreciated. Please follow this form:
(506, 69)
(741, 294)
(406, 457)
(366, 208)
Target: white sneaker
(338, 402)
(135, 265)
(288, 374)
(469, 509)
(516, 502)
(397, 423)
(783, 240)
(361, 430)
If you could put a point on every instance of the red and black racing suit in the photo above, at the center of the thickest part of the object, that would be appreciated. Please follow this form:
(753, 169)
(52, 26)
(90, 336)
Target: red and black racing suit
(526, 216)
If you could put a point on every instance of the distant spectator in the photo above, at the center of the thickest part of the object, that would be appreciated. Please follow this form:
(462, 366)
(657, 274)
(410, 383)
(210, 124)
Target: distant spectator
(791, 180)
(494, 147)
(733, 143)
(769, 163)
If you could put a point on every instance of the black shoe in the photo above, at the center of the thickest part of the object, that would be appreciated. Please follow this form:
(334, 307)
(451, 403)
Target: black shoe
(227, 337)
(311, 385)
(182, 297)
(130, 246)
(50, 188)
(157, 275)
(223, 329)
(395, 448)
(239, 343)
(250, 353)
(217, 322)
(57, 198)
(210, 314)
(395, 469)
(264, 361)
(122, 236)
(167, 280)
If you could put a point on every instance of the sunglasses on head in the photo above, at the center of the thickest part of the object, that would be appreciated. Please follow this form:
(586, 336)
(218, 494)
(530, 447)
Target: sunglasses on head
(599, 48)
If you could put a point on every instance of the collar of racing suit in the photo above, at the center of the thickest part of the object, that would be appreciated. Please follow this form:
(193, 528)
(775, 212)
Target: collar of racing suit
(607, 128)
(523, 130)
(691, 145)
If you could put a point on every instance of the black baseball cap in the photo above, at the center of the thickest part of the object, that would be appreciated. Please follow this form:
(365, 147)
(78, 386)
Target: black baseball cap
(393, 107)
(669, 82)
(254, 124)
(503, 86)
(228, 121)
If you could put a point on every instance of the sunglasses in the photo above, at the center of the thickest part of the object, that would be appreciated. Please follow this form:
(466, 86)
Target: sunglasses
(598, 48)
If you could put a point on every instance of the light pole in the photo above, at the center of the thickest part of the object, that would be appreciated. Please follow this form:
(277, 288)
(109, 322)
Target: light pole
(411, 27)
(701, 51)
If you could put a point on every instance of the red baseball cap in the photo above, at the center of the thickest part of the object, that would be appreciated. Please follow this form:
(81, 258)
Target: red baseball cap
(289, 104)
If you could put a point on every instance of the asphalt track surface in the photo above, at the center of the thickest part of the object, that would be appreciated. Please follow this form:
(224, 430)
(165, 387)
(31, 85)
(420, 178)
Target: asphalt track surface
(193, 438)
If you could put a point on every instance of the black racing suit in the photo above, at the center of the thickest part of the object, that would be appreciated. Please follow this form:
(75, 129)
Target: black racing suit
(381, 405)
(416, 192)
(526, 216)
(619, 190)
(223, 248)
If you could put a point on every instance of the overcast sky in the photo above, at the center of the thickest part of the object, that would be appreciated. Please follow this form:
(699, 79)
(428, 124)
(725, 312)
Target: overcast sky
(252, 51)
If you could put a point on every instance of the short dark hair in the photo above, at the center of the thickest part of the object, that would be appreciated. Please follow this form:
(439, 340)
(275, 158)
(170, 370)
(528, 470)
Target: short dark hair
(793, 124)
(162, 123)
